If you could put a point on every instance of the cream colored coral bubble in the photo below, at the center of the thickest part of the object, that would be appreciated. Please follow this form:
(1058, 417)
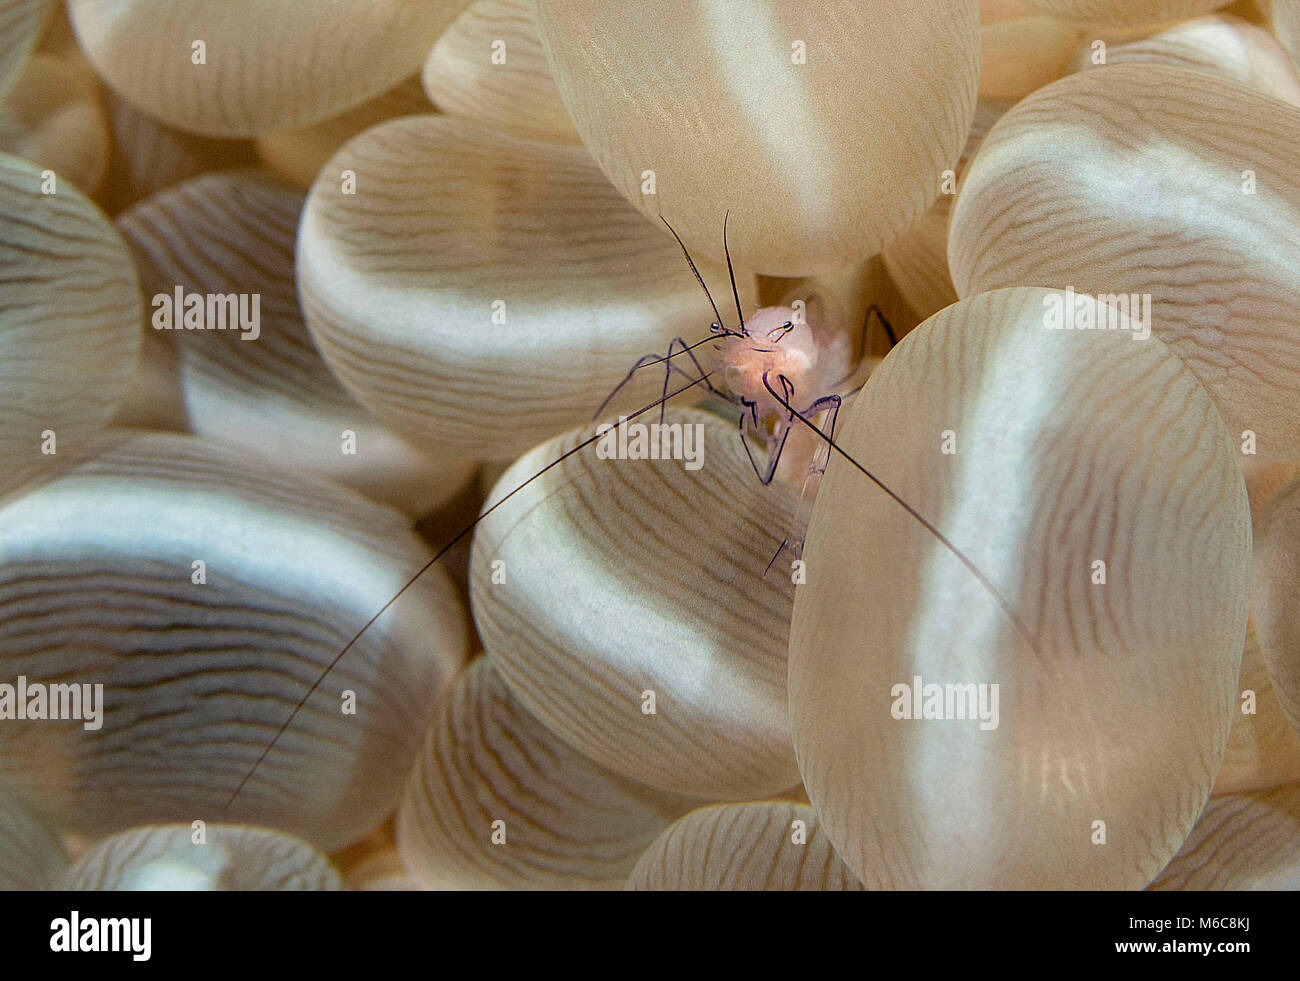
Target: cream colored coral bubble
(215, 857)
(260, 383)
(1037, 453)
(243, 67)
(1220, 44)
(53, 117)
(1275, 603)
(1021, 54)
(206, 592)
(917, 260)
(496, 801)
(1245, 841)
(70, 316)
(489, 65)
(770, 846)
(299, 153)
(480, 292)
(149, 156)
(1126, 13)
(21, 23)
(824, 133)
(624, 602)
(1263, 750)
(1285, 17)
(1166, 187)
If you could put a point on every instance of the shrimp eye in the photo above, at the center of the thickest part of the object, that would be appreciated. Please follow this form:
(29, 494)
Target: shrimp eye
(780, 332)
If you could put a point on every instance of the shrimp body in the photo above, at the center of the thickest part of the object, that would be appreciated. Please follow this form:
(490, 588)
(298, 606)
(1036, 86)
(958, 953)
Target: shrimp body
(775, 367)
(774, 346)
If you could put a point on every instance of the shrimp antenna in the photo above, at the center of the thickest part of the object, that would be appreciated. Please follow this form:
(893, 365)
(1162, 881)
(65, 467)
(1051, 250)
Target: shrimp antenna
(943, 539)
(429, 565)
(698, 278)
(732, 273)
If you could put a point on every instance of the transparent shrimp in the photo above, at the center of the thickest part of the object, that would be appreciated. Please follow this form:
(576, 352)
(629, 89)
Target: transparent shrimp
(812, 364)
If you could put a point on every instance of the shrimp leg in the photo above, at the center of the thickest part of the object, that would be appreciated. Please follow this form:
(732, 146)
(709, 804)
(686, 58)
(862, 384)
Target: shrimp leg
(671, 367)
(776, 444)
(821, 458)
(818, 469)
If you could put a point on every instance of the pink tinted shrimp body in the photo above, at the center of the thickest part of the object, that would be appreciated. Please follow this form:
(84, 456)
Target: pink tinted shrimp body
(775, 344)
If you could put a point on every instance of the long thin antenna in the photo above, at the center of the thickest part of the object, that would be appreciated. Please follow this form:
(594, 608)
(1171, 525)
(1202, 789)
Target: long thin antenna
(698, 278)
(732, 273)
(425, 568)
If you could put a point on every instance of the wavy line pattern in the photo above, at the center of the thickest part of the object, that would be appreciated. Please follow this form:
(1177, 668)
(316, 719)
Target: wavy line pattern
(97, 587)
(569, 822)
(229, 859)
(743, 847)
(624, 576)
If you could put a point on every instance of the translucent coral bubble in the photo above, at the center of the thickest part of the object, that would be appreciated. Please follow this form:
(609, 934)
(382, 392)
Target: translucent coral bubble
(1041, 697)
(824, 133)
